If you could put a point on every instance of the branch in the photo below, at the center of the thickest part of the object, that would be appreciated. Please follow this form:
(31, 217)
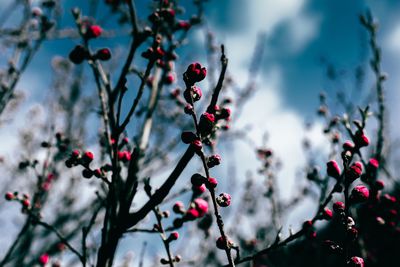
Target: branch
(162, 192)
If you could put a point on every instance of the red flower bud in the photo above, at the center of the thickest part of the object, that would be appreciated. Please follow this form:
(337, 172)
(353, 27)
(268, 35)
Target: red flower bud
(212, 183)
(199, 189)
(75, 154)
(307, 225)
(333, 169)
(206, 123)
(184, 25)
(194, 73)
(213, 161)
(44, 259)
(87, 173)
(174, 236)
(197, 145)
(359, 194)
(170, 78)
(379, 185)
(188, 137)
(338, 207)
(348, 146)
(223, 243)
(78, 54)
(9, 196)
(178, 207)
(327, 214)
(103, 54)
(93, 31)
(225, 113)
(26, 203)
(360, 139)
(197, 179)
(354, 171)
(191, 214)
(373, 164)
(87, 157)
(193, 94)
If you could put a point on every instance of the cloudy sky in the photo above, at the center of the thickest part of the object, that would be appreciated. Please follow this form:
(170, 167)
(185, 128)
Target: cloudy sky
(304, 38)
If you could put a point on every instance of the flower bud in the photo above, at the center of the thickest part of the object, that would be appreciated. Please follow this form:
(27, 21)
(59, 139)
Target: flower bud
(178, 207)
(213, 161)
(103, 54)
(173, 236)
(224, 200)
(333, 169)
(201, 206)
(360, 139)
(78, 54)
(359, 194)
(338, 207)
(326, 214)
(194, 73)
(355, 262)
(9, 196)
(212, 183)
(197, 179)
(87, 157)
(223, 243)
(354, 172)
(44, 259)
(188, 137)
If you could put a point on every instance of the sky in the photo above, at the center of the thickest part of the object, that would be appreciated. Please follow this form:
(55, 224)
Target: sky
(303, 39)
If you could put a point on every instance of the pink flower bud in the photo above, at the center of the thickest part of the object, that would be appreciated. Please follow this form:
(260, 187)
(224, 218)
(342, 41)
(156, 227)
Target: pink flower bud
(355, 262)
(201, 206)
(191, 214)
(199, 189)
(373, 164)
(224, 200)
(44, 259)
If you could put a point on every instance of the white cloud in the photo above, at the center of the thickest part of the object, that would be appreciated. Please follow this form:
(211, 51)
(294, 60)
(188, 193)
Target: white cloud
(392, 40)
